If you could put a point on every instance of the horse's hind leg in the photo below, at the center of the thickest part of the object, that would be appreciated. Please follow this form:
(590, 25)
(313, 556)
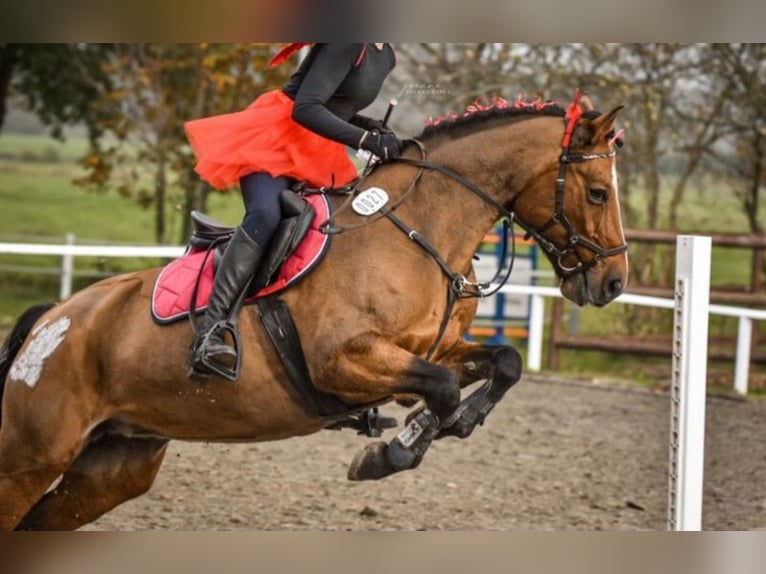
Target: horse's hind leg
(38, 441)
(111, 470)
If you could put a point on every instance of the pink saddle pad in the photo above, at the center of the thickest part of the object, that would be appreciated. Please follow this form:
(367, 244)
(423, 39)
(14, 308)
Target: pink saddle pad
(173, 290)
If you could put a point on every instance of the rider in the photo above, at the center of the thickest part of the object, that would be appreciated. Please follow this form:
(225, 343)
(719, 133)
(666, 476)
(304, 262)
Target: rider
(296, 133)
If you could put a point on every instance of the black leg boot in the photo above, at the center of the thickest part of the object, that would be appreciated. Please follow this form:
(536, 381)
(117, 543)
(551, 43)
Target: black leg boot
(237, 266)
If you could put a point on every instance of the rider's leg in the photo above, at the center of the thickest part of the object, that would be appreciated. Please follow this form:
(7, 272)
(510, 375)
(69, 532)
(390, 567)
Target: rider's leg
(239, 263)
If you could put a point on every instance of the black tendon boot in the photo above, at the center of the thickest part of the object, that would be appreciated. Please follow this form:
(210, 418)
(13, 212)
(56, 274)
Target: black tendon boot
(210, 354)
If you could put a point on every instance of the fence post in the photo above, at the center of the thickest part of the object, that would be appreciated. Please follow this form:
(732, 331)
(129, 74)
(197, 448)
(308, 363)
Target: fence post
(689, 384)
(535, 334)
(67, 270)
(742, 365)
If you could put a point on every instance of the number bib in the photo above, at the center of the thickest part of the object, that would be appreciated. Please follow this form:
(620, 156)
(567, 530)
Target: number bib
(370, 201)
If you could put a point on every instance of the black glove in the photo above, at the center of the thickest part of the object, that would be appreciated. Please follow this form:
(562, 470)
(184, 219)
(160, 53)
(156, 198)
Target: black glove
(370, 124)
(385, 146)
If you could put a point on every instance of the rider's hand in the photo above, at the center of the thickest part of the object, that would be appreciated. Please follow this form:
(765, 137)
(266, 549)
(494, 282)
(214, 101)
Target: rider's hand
(384, 145)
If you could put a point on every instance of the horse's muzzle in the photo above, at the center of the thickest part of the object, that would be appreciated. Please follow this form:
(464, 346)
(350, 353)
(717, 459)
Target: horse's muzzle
(593, 288)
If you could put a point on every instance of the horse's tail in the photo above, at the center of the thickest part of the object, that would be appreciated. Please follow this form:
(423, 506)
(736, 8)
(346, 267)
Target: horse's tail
(15, 340)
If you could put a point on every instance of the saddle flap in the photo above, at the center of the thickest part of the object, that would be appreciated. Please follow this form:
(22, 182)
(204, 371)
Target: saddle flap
(297, 216)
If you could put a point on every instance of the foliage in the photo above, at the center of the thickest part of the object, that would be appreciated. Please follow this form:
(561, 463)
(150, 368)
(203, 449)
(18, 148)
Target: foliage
(743, 71)
(693, 118)
(134, 99)
(155, 89)
(59, 82)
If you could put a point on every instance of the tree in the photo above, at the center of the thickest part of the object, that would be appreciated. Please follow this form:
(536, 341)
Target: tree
(743, 69)
(56, 80)
(152, 90)
(134, 99)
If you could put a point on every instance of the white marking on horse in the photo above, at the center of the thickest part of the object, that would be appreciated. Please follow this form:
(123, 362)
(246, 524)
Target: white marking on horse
(619, 209)
(46, 338)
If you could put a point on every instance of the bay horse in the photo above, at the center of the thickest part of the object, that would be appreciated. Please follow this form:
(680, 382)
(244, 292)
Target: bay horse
(93, 389)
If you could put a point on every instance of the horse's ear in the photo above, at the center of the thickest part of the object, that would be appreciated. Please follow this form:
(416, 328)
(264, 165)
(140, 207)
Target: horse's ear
(586, 104)
(604, 124)
(590, 132)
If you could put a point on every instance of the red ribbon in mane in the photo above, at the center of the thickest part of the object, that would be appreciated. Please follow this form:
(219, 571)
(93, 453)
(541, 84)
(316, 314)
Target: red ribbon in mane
(286, 52)
(574, 111)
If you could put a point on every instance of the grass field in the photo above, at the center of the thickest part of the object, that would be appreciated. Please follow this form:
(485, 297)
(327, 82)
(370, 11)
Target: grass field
(39, 203)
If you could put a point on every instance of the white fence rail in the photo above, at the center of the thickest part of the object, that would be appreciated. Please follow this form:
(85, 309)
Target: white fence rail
(69, 251)
(537, 294)
(537, 319)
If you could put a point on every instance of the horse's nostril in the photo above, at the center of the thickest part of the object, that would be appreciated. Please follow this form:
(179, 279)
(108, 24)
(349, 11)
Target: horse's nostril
(614, 287)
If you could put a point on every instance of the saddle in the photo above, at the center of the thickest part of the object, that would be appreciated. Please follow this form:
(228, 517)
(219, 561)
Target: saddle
(297, 248)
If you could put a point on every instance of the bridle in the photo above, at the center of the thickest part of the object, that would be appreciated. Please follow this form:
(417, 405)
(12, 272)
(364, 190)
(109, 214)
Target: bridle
(558, 217)
(574, 112)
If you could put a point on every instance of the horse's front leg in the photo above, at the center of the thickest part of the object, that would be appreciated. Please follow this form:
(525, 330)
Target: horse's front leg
(372, 366)
(498, 364)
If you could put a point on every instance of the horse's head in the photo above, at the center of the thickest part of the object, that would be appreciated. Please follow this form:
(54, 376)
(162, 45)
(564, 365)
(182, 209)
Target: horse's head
(560, 187)
(576, 219)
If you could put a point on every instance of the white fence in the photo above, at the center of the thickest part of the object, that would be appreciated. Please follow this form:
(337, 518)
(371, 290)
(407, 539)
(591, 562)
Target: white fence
(537, 321)
(69, 251)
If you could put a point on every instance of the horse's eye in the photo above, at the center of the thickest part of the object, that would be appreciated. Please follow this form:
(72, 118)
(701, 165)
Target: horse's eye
(597, 195)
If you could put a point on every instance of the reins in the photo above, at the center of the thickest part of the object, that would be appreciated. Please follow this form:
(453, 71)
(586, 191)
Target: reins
(507, 217)
(459, 286)
(329, 228)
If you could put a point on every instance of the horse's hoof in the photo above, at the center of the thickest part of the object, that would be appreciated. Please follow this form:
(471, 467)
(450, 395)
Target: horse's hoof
(370, 463)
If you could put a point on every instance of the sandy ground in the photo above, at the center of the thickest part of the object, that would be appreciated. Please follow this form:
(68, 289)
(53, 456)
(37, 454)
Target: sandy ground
(554, 455)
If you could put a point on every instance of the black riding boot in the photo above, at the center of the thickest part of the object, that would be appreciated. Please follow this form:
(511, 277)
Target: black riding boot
(237, 266)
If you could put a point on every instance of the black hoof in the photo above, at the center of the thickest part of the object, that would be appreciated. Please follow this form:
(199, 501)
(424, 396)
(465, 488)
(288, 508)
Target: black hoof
(371, 463)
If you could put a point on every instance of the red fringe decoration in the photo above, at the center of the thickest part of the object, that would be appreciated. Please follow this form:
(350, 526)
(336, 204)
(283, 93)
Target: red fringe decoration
(482, 105)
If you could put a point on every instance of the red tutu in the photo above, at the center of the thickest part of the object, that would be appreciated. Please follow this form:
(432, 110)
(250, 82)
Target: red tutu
(263, 137)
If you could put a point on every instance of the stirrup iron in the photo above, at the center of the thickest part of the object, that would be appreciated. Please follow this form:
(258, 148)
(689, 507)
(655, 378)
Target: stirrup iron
(211, 366)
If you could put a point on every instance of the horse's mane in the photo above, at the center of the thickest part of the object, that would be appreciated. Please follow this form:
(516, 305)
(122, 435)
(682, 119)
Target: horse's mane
(481, 114)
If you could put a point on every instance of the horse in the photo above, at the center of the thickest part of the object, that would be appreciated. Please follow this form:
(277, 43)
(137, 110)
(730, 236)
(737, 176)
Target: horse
(94, 389)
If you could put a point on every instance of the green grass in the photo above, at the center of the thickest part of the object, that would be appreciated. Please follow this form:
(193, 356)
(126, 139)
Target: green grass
(41, 149)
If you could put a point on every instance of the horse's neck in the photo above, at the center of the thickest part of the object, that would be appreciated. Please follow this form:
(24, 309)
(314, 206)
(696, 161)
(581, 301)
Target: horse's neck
(499, 162)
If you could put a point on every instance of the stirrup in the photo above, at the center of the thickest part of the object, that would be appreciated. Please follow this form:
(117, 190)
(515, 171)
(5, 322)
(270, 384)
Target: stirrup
(204, 365)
